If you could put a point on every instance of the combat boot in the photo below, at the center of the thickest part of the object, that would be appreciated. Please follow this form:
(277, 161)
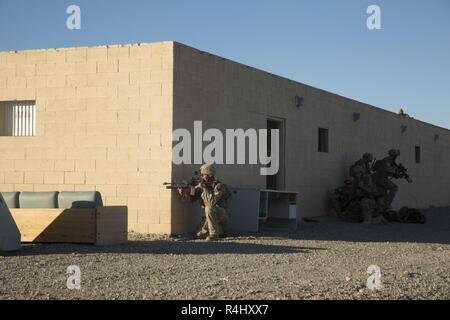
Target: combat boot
(201, 235)
(212, 238)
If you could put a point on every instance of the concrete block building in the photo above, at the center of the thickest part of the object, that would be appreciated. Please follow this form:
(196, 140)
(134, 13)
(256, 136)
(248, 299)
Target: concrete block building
(101, 119)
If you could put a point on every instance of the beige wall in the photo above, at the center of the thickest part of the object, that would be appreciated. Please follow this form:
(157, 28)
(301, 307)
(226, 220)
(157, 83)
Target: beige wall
(104, 122)
(225, 94)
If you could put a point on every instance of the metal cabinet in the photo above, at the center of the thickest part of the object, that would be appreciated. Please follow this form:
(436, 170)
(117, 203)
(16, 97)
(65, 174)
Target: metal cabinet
(252, 209)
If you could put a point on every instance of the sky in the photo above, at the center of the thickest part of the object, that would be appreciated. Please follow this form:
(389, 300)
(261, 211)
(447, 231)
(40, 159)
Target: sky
(323, 43)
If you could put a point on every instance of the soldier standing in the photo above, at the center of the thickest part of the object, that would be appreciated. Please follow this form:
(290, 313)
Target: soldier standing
(213, 196)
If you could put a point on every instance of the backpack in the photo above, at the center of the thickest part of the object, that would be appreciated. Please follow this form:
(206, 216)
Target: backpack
(227, 194)
(405, 215)
(410, 215)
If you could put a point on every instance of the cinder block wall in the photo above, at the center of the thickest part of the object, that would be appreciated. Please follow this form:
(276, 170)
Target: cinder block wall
(104, 122)
(225, 94)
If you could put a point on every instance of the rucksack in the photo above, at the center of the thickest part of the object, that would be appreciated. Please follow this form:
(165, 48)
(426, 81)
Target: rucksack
(227, 194)
(410, 215)
(405, 215)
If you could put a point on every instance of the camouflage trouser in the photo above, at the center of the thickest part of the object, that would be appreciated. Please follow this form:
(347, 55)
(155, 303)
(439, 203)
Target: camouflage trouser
(389, 188)
(215, 223)
(352, 213)
(368, 207)
(335, 205)
(216, 220)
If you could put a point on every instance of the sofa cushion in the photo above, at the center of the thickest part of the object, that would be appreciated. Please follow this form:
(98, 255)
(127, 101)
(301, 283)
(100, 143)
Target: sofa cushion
(80, 199)
(11, 199)
(38, 200)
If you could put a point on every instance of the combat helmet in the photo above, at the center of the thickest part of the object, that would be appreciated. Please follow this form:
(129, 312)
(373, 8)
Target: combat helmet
(349, 181)
(357, 171)
(208, 169)
(368, 157)
(394, 153)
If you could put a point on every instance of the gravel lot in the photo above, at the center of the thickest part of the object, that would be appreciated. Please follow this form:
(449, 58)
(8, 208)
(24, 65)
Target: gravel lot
(326, 259)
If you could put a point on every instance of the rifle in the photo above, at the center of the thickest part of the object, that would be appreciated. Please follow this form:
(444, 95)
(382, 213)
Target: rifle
(372, 167)
(191, 184)
(403, 172)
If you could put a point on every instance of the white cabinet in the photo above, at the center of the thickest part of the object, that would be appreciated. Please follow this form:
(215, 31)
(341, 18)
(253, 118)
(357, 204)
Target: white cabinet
(251, 209)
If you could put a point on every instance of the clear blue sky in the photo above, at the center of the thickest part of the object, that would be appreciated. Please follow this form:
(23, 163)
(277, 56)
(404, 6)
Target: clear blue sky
(324, 43)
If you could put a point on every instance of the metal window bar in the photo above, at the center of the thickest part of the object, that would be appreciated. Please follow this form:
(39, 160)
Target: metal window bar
(19, 118)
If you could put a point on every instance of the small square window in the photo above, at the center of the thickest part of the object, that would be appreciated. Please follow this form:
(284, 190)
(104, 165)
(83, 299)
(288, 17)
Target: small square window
(17, 118)
(323, 140)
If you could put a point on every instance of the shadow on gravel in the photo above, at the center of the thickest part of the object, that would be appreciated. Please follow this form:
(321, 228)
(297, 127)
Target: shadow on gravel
(174, 247)
(435, 230)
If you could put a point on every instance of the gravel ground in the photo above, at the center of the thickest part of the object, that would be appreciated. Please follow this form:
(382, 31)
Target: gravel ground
(326, 259)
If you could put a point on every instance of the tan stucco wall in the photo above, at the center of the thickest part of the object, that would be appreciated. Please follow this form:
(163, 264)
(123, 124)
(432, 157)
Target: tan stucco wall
(104, 122)
(225, 94)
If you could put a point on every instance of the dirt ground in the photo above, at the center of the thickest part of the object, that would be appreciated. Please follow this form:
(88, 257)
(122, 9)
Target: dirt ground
(325, 259)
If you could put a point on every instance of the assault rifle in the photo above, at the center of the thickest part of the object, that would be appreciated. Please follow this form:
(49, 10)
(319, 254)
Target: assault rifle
(372, 167)
(402, 172)
(194, 181)
(191, 184)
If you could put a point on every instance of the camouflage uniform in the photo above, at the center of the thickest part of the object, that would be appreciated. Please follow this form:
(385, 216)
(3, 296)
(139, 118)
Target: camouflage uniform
(342, 196)
(362, 205)
(364, 163)
(383, 171)
(365, 191)
(213, 197)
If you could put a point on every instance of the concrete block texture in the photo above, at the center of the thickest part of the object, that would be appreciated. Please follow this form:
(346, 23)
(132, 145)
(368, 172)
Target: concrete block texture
(96, 106)
(225, 94)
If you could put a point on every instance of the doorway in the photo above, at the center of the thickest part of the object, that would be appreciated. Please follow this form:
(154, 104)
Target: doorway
(276, 181)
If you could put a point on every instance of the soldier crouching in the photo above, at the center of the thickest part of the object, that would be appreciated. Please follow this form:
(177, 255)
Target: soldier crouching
(213, 197)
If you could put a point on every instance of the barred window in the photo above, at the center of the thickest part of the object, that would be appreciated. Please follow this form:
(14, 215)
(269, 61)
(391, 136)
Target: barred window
(17, 118)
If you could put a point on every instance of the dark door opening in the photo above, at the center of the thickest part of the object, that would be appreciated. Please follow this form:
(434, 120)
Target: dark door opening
(323, 140)
(418, 153)
(276, 181)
